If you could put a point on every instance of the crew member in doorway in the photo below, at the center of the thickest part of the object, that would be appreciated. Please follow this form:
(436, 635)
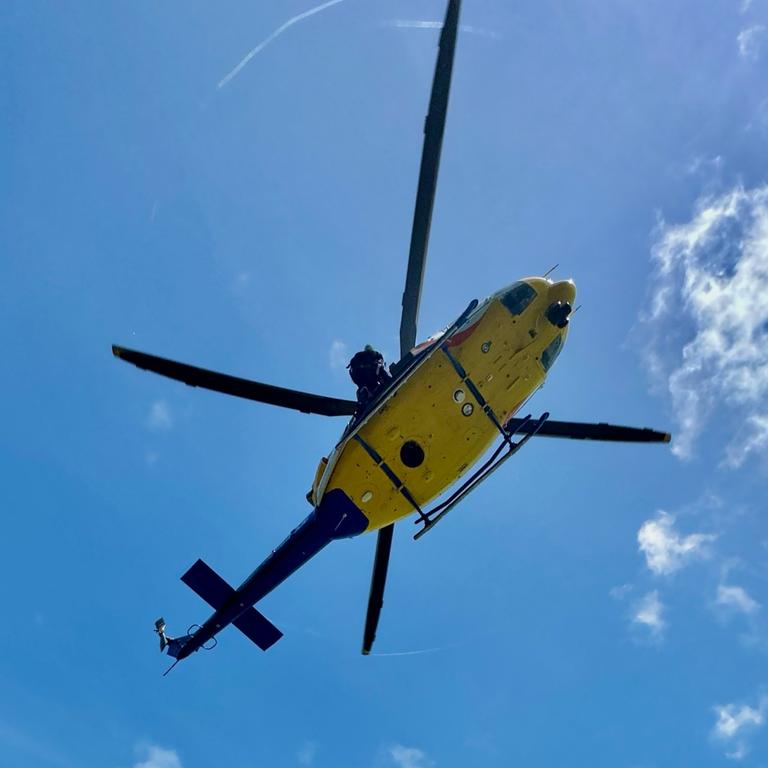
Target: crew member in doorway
(369, 374)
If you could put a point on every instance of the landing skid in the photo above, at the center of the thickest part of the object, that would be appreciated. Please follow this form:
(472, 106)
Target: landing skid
(434, 516)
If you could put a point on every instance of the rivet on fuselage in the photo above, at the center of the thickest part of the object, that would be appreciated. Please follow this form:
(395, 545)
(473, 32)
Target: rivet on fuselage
(458, 396)
(486, 346)
(366, 497)
(467, 409)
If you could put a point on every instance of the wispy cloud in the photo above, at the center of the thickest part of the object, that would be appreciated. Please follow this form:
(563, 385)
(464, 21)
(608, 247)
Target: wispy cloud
(665, 550)
(159, 417)
(648, 612)
(736, 723)
(750, 42)
(708, 320)
(702, 164)
(734, 604)
(279, 31)
(736, 598)
(306, 755)
(425, 24)
(751, 437)
(620, 592)
(409, 757)
(153, 756)
(241, 283)
(31, 749)
(338, 354)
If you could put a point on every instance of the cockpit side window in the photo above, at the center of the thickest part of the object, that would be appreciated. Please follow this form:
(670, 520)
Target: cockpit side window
(549, 355)
(518, 297)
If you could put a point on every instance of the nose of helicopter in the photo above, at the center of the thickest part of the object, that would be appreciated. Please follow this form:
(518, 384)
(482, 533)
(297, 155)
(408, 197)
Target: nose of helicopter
(561, 296)
(564, 291)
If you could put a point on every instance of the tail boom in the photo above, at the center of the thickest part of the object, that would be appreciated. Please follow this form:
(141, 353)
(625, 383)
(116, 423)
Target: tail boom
(336, 517)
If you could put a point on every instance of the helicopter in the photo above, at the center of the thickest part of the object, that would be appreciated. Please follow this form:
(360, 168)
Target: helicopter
(419, 434)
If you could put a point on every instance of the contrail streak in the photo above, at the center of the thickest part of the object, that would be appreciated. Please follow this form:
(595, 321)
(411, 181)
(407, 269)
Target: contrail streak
(418, 24)
(279, 31)
(405, 24)
(419, 652)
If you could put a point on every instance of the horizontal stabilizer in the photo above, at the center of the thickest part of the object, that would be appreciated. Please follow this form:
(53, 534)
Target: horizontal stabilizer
(258, 629)
(203, 580)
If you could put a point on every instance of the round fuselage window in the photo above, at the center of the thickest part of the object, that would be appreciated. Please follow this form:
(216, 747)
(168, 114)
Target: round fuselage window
(412, 454)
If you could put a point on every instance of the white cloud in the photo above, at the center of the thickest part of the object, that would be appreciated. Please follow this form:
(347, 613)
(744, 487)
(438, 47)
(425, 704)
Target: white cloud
(158, 757)
(338, 354)
(648, 612)
(737, 598)
(709, 320)
(665, 550)
(409, 757)
(750, 41)
(159, 418)
(306, 755)
(735, 722)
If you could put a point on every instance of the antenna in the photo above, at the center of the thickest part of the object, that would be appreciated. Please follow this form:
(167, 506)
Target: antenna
(171, 667)
(551, 270)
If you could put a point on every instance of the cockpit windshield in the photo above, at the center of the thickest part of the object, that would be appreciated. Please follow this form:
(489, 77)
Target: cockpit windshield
(549, 355)
(518, 297)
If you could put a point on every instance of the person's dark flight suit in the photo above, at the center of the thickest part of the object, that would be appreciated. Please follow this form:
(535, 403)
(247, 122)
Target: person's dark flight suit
(368, 372)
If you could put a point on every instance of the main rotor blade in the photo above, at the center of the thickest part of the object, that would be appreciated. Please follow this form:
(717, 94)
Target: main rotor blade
(231, 385)
(430, 164)
(580, 431)
(378, 580)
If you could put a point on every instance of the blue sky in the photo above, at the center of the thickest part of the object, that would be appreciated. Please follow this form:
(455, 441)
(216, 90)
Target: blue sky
(590, 605)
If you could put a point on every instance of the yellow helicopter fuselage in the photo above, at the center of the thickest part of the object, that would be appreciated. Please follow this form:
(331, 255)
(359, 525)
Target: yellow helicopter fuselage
(429, 429)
